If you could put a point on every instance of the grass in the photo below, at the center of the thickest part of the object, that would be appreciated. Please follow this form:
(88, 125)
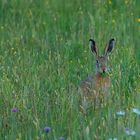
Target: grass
(44, 55)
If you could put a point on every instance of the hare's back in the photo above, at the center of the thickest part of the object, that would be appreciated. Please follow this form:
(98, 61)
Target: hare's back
(86, 84)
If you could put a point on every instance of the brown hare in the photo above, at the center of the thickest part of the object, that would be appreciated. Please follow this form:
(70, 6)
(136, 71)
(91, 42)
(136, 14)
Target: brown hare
(96, 86)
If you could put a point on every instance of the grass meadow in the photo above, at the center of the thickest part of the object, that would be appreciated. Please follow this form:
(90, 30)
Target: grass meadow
(44, 55)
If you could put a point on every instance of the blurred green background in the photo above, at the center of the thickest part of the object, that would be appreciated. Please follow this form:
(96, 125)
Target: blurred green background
(44, 55)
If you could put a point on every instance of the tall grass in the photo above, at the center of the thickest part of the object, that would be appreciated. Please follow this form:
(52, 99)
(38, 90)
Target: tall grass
(44, 55)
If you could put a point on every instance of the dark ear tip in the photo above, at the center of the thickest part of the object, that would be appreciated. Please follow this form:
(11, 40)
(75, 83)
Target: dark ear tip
(112, 39)
(91, 40)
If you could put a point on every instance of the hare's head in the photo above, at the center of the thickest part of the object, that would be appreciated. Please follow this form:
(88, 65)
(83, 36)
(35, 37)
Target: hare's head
(101, 61)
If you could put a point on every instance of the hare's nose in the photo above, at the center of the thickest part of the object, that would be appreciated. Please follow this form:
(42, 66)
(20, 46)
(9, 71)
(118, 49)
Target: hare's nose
(104, 69)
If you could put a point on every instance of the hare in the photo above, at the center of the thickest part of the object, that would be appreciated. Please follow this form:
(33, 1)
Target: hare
(96, 86)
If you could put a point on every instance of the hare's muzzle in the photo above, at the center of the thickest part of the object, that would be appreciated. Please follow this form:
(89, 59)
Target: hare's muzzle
(103, 70)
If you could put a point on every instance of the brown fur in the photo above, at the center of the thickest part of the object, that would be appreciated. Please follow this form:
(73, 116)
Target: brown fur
(96, 86)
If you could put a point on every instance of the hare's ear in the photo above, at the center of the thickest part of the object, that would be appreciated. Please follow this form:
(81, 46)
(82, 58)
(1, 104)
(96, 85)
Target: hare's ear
(92, 45)
(110, 46)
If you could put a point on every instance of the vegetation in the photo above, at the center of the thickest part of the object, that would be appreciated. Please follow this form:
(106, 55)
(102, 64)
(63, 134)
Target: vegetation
(44, 55)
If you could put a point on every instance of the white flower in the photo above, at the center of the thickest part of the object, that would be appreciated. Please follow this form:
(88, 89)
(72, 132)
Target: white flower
(130, 132)
(112, 139)
(120, 113)
(135, 110)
